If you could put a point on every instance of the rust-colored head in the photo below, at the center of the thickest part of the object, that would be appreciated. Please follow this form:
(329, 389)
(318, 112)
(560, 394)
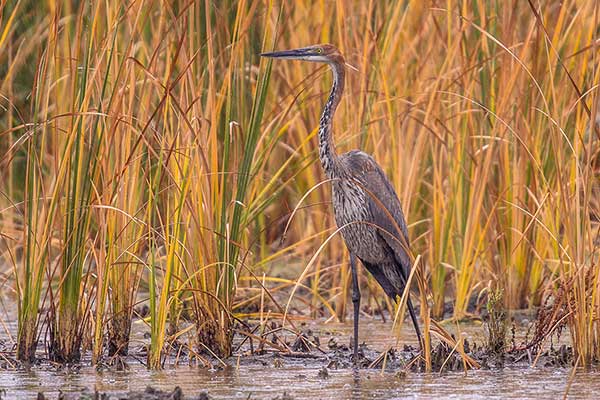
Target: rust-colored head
(324, 53)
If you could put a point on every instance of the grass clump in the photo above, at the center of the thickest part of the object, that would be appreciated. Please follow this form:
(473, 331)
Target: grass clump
(496, 324)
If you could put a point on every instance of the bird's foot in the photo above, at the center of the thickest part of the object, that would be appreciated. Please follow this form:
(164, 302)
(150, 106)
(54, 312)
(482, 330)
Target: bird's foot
(358, 357)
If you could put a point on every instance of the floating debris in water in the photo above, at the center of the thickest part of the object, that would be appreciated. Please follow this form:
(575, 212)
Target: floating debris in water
(323, 373)
(150, 393)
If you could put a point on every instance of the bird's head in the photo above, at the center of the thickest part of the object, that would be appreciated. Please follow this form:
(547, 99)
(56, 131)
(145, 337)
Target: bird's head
(323, 53)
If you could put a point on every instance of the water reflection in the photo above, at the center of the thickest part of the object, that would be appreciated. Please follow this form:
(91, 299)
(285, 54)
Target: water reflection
(356, 392)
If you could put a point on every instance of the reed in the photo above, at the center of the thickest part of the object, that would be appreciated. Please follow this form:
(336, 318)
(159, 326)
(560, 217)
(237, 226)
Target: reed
(144, 161)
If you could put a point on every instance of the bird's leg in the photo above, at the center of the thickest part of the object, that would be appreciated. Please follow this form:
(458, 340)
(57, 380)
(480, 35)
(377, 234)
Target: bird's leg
(411, 310)
(355, 303)
(413, 316)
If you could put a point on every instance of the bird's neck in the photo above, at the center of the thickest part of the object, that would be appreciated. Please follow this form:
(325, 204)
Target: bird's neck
(327, 152)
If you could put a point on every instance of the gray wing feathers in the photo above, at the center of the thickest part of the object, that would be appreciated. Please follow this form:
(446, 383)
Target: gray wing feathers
(385, 209)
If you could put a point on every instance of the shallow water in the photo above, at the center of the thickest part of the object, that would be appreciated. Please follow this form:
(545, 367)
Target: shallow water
(304, 383)
(300, 378)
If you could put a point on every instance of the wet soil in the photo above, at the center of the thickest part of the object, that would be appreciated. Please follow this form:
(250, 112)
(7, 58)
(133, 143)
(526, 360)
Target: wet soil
(316, 364)
(150, 393)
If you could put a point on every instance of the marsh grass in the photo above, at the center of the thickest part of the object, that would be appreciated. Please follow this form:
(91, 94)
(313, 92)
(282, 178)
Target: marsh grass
(149, 156)
(496, 324)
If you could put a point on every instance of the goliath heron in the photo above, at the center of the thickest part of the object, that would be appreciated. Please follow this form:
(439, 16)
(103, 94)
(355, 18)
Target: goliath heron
(365, 204)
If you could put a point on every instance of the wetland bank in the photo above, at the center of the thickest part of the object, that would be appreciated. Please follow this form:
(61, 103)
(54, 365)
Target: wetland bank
(165, 222)
(314, 375)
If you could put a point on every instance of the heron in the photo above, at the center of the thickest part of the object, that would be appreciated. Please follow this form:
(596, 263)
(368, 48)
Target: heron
(366, 207)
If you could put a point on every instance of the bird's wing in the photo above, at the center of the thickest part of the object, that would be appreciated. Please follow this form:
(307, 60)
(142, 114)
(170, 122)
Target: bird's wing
(384, 207)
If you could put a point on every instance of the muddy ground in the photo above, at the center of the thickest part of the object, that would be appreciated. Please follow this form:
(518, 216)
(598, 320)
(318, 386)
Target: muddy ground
(336, 357)
(325, 352)
(311, 355)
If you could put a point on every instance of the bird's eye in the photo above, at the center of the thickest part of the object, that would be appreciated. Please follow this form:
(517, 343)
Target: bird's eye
(319, 50)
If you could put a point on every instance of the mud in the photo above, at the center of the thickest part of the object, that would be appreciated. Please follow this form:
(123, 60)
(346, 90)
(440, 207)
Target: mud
(406, 359)
(150, 393)
(315, 364)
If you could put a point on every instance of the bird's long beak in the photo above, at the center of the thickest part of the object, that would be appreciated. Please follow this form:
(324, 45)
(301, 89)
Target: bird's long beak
(288, 54)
